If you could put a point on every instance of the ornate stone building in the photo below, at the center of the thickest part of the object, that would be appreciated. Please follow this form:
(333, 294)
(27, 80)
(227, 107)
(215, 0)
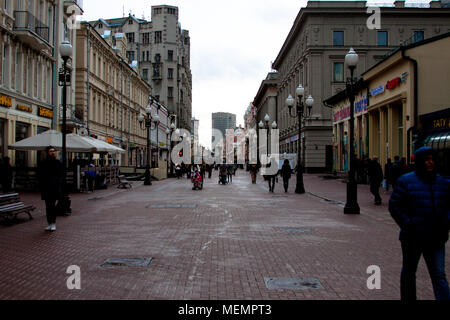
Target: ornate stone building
(161, 50)
(313, 55)
(30, 98)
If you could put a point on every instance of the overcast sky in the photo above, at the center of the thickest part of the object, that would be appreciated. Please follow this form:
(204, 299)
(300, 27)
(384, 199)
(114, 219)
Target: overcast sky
(233, 43)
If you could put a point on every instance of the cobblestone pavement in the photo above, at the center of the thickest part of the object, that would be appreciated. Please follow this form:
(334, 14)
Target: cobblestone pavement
(223, 242)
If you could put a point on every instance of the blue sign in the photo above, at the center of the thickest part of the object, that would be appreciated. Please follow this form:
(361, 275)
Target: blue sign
(377, 91)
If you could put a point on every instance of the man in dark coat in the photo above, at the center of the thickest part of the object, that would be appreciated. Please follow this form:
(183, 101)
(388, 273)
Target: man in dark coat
(6, 175)
(420, 205)
(396, 171)
(286, 172)
(50, 175)
(376, 177)
(388, 173)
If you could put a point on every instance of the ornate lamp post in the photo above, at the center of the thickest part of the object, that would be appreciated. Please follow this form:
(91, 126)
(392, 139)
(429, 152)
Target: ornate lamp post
(290, 101)
(65, 49)
(146, 123)
(267, 127)
(351, 207)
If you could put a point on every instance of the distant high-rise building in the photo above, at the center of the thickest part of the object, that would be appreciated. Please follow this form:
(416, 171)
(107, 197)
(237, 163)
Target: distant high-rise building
(223, 121)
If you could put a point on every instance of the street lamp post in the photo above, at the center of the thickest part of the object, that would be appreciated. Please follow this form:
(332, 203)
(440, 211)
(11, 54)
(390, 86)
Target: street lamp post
(351, 207)
(65, 50)
(169, 132)
(290, 101)
(146, 123)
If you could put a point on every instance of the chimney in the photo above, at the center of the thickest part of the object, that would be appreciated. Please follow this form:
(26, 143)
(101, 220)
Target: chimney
(435, 4)
(399, 3)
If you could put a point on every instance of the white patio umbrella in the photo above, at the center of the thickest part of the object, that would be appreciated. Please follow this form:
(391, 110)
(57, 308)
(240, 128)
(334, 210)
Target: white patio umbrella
(74, 142)
(101, 146)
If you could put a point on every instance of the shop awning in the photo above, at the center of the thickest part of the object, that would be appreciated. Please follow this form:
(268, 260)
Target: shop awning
(438, 141)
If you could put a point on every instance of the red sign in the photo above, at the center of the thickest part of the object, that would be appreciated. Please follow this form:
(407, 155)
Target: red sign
(393, 83)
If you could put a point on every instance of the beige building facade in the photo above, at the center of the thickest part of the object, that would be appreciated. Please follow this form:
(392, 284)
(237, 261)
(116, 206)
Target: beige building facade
(408, 105)
(30, 99)
(160, 49)
(313, 55)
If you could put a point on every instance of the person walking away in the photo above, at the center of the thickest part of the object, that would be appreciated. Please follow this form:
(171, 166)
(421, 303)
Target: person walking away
(253, 171)
(178, 170)
(90, 175)
(286, 172)
(388, 173)
(230, 172)
(6, 175)
(420, 205)
(376, 177)
(50, 177)
(396, 171)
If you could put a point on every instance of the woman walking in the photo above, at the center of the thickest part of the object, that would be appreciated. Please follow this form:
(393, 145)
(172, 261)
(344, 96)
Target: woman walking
(286, 172)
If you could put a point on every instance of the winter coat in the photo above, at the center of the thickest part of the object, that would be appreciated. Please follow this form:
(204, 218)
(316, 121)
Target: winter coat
(50, 176)
(286, 171)
(375, 173)
(420, 204)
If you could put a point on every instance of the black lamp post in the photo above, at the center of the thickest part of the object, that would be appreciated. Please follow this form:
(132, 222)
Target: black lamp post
(169, 132)
(146, 123)
(351, 207)
(65, 49)
(290, 101)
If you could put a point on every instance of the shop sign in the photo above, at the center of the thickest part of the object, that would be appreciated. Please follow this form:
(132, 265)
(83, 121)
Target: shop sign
(436, 121)
(377, 91)
(5, 101)
(46, 113)
(24, 108)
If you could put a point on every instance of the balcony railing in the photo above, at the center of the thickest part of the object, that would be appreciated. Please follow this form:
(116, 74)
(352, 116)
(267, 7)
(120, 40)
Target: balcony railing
(24, 20)
(79, 3)
(73, 115)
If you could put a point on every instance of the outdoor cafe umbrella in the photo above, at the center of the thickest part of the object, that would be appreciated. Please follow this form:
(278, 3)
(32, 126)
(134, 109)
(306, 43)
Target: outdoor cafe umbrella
(74, 142)
(101, 146)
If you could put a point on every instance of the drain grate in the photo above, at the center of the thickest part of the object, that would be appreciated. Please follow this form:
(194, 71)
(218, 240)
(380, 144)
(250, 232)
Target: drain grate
(296, 230)
(95, 198)
(292, 283)
(126, 262)
(172, 206)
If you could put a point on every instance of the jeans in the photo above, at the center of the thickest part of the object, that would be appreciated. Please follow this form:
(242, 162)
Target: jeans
(434, 255)
(271, 180)
(375, 190)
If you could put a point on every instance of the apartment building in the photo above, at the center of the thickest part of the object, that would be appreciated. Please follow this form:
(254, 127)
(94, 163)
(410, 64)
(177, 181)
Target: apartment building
(30, 99)
(160, 49)
(313, 55)
(110, 96)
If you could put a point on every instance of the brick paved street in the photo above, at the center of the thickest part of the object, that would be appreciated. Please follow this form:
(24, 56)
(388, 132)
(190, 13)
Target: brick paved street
(219, 243)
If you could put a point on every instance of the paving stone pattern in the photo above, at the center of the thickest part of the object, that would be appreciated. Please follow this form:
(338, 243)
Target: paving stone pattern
(222, 242)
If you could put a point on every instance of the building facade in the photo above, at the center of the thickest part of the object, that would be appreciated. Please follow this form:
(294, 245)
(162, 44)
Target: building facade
(30, 98)
(313, 55)
(402, 103)
(110, 96)
(160, 49)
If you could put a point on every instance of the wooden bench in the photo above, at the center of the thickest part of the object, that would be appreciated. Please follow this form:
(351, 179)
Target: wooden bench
(11, 206)
(123, 182)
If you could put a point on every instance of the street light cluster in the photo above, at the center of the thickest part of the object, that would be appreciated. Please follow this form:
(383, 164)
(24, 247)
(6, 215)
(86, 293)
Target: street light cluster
(146, 123)
(290, 101)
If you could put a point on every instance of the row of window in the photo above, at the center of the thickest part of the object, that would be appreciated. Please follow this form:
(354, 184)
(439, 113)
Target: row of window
(145, 37)
(156, 73)
(146, 56)
(382, 37)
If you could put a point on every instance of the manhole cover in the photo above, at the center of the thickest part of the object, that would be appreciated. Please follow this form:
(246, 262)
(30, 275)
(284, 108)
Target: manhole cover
(292, 283)
(95, 198)
(126, 262)
(172, 206)
(296, 230)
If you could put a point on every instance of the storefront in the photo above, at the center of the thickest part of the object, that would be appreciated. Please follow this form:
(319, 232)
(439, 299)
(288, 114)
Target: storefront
(435, 133)
(341, 126)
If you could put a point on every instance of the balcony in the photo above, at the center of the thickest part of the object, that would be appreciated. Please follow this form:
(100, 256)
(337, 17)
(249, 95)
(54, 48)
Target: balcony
(68, 3)
(31, 30)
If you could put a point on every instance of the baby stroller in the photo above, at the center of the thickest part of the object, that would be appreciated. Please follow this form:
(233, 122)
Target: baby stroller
(197, 181)
(223, 174)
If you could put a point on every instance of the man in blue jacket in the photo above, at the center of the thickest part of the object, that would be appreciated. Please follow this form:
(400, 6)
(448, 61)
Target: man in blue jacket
(420, 205)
